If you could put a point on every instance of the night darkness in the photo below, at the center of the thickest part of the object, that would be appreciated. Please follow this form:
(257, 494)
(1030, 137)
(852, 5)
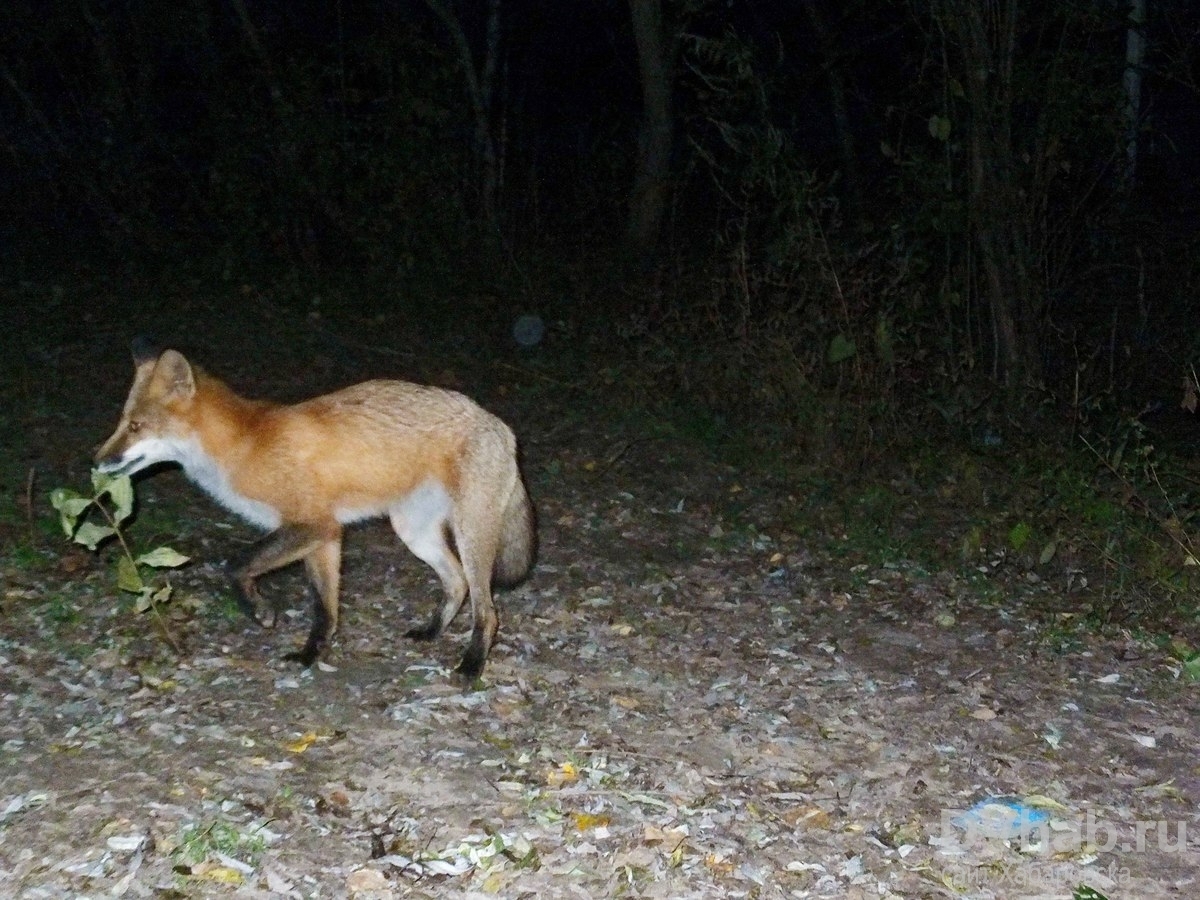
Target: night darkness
(807, 194)
(829, 461)
(313, 129)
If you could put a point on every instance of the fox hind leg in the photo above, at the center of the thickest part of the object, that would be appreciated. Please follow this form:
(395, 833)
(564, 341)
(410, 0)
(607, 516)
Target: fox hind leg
(498, 551)
(479, 537)
(486, 624)
(432, 542)
(459, 579)
(456, 541)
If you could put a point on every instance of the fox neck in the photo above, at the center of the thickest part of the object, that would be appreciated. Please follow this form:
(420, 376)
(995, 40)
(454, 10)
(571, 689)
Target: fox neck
(209, 454)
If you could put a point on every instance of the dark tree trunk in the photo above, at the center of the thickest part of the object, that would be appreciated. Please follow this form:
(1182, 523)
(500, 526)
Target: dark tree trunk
(832, 63)
(481, 92)
(648, 201)
(1135, 56)
(984, 37)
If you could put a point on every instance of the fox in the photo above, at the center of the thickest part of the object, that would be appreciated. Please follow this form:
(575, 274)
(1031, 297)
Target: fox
(444, 471)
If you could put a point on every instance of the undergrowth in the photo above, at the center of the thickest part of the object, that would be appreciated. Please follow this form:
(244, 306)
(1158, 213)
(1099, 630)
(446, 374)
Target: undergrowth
(886, 469)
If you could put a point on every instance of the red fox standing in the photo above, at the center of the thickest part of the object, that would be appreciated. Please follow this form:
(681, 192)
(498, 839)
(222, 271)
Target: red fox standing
(440, 467)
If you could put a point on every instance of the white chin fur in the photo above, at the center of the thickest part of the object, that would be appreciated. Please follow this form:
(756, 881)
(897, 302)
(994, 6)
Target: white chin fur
(207, 474)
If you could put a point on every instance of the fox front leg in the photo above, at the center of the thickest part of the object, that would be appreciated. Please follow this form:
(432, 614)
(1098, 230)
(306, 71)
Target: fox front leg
(281, 547)
(245, 592)
(324, 573)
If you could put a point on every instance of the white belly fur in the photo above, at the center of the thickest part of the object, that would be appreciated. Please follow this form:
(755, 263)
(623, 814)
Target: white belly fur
(425, 508)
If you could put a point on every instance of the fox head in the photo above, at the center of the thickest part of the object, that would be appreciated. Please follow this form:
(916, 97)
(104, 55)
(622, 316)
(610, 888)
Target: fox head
(150, 428)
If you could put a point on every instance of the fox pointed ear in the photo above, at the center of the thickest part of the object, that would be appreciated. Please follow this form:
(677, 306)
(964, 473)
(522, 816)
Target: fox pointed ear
(144, 350)
(175, 374)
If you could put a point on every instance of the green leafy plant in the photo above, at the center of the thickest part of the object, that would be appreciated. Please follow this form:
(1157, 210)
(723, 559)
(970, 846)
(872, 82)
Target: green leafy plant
(199, 842)
(113, 500)
(1188, 656)
(1018, 536)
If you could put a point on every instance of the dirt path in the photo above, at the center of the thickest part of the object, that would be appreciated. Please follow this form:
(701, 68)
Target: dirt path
(687, 701)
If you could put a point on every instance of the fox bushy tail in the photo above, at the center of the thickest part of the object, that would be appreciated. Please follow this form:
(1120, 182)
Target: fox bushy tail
(518, 538)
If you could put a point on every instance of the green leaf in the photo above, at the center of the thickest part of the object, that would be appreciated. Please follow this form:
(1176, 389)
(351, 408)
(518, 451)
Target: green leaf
(60, 497)
(90, 534)
(121, 491)
(70, 506)
(841, 349)
(1018, 536)
(128, 577)
(939, 128)
(101, 481)
(1048, 552)
(162, 558)
(148, 598)
(1191, 669)
(74, 507)
(145, 599)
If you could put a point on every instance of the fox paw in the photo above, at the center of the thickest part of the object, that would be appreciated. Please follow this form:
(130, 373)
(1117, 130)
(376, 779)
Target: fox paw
(306, 655)
(425, 632)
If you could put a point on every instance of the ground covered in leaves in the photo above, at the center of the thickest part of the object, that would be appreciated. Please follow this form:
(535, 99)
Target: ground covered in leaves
(704, 690)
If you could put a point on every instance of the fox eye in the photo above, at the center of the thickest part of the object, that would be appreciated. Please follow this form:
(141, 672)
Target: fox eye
(135, 427)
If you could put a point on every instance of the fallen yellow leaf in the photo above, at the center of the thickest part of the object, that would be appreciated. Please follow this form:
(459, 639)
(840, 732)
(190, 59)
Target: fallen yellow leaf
(492, 884)
(1041, 801)
(564, 774)
(217, 873)
(807, 817)
(299, 746)
(585, 821)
